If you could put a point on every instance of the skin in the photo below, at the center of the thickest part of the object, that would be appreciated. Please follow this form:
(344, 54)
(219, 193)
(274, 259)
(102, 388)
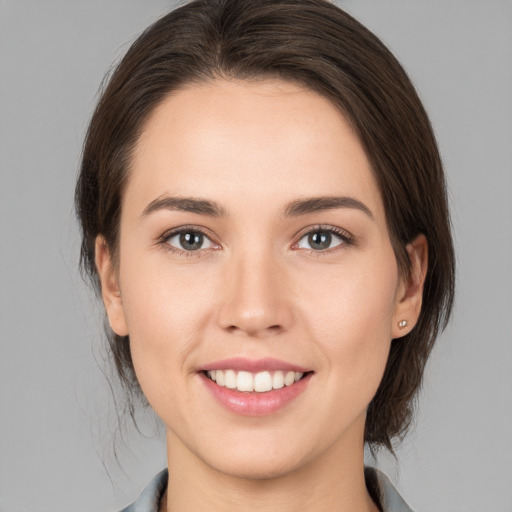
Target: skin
(258, 290)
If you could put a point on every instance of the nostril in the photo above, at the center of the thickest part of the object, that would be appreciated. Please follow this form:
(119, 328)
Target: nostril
(253, 330)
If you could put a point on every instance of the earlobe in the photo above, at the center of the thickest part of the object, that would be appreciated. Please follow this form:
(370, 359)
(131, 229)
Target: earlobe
(410, 294)
(110, 290)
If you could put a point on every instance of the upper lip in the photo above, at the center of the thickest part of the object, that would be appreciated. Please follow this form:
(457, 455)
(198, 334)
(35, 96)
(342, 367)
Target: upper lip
(253, 365)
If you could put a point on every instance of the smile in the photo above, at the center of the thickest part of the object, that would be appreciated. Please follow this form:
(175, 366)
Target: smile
(255, 388)
(260, 382)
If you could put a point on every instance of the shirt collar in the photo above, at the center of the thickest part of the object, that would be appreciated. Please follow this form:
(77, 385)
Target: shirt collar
(390, 500)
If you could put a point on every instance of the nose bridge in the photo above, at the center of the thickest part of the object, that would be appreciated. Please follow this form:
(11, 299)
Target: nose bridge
(254, 300)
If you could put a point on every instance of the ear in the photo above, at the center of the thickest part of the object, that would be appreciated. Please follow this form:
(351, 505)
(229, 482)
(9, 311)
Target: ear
(410, 291)
(110, 287)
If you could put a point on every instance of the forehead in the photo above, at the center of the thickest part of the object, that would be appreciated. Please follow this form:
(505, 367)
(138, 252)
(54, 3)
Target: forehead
(267, 140)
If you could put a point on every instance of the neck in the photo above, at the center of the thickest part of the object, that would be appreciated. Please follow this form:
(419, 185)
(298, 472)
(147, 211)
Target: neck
(332, 482)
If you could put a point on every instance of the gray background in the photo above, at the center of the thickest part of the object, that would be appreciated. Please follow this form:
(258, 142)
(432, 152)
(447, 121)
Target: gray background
(57, 422)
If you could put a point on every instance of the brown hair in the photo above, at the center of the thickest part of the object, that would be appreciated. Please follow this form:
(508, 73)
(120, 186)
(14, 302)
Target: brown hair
(316, 44)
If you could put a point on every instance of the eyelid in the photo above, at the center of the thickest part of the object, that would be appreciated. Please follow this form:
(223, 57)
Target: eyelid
(163, 240)
(346, 237)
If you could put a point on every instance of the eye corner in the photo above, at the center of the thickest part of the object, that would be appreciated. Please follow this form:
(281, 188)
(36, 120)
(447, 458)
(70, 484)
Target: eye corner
(173, 240)
(329, 234)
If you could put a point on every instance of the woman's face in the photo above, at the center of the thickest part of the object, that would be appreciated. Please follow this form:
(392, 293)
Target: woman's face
(253, 243)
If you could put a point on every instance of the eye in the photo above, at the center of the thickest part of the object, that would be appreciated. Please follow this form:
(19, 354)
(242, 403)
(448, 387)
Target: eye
(322, 239)
(189, 240)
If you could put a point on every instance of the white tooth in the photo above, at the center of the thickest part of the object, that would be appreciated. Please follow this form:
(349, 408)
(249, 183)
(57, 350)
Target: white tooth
(230, 378)
(278, 380)
(245, 381)
(298, 376)
(213, 374)
(262, 382)
(289, 378)
(220, 378)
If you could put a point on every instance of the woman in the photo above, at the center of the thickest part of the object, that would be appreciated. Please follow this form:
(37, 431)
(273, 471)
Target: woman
(264, 212)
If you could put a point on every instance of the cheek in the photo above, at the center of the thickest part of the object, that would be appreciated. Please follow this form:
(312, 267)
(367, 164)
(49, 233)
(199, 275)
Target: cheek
(351, 323)
(356, 297)
(166, 309)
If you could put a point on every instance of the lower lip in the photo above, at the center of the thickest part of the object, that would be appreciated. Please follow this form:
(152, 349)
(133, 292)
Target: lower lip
(254, 403)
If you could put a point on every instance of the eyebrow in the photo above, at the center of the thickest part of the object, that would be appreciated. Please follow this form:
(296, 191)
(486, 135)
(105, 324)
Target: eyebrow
(317, 204)
(293, 209)
(185, 204)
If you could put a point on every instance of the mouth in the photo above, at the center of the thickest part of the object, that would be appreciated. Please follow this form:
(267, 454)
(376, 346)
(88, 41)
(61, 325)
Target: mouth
(260, 382)
(255, 388)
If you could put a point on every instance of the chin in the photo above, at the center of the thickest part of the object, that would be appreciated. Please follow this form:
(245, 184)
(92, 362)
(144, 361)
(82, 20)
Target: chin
(264, 468)
(260, 459)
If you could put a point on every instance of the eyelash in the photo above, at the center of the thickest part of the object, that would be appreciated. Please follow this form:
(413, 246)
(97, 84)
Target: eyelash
(164, 240)
(346, 239)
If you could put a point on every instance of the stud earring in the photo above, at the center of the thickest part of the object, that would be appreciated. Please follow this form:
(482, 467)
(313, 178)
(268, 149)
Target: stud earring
(402, 324)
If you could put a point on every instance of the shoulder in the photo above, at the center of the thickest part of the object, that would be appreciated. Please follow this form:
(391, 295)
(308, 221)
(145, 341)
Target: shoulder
(379, 484)
(149, 498)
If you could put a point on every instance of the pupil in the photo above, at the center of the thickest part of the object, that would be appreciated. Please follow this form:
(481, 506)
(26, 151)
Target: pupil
(320, 240)
(191, 241)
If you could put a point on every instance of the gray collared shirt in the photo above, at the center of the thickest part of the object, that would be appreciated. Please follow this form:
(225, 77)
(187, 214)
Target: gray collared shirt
(149, 499)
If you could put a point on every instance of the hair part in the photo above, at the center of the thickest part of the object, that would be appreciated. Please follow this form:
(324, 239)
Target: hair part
(317, 45)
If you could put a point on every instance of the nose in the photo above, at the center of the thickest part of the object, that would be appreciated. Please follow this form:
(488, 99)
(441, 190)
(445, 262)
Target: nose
(256, 298)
